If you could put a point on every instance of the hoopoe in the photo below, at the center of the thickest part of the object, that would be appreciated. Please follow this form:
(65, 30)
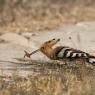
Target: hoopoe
(62, 52)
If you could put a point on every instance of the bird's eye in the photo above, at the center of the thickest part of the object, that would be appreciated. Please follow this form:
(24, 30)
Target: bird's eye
(53, 39)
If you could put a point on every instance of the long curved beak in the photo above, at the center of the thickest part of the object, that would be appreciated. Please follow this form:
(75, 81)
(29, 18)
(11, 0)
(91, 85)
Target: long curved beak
(29, 54)
(35, 51)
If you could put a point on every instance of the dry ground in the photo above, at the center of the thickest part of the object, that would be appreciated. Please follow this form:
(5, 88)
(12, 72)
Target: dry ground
(54, 79)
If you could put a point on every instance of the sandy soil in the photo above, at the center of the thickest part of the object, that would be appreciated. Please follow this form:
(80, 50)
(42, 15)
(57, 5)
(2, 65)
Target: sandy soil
(12, 45)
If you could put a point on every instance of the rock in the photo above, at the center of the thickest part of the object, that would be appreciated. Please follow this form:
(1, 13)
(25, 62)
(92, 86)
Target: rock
(17, 39)
(27, 34)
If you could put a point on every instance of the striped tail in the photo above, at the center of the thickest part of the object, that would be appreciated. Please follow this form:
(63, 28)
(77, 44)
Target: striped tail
(70, 53)
(91, 59)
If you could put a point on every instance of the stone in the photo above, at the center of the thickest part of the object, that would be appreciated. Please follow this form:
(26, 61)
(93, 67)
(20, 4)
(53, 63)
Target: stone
(17, 39)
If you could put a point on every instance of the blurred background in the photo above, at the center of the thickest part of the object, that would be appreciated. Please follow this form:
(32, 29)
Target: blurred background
(37, 15)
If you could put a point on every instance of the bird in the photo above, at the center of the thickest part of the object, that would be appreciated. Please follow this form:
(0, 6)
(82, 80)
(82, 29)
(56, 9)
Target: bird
(62, 52)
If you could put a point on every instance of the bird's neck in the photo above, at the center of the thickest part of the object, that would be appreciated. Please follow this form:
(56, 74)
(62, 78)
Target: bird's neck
(48, 52)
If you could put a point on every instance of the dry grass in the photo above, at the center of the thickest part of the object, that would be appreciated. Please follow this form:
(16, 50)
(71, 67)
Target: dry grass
(37, 15)
(53, 80)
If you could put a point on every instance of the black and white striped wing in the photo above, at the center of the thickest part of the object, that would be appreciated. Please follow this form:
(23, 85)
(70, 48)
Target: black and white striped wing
(67, 52)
